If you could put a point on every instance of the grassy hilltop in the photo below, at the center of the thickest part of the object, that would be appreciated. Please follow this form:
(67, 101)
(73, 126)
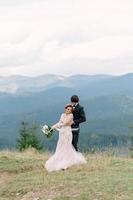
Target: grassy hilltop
(23, 177)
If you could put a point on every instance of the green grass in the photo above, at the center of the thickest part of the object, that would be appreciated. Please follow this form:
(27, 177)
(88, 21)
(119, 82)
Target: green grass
(23, 177)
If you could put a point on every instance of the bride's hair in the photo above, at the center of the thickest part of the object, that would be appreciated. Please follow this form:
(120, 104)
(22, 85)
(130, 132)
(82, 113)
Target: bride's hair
(69, 105)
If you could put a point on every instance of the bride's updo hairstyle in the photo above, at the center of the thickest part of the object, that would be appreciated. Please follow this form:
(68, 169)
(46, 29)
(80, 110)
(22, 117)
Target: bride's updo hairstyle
(69, 106)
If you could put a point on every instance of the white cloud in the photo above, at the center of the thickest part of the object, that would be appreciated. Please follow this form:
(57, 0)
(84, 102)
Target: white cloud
(42, 36)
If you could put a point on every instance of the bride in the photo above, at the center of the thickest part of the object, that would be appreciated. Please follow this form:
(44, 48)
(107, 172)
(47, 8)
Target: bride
(65, 154)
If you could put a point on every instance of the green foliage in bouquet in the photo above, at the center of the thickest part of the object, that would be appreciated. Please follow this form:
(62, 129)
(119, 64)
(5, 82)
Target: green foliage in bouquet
(47, 131)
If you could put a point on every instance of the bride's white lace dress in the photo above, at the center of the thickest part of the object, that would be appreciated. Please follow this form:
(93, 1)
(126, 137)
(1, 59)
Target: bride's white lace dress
(65, 154)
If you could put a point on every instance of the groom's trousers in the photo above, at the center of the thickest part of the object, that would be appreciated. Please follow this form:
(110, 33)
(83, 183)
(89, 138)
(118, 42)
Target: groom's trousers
(75, 139)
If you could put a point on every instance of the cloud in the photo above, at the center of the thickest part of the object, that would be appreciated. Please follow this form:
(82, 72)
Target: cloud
(39, 36)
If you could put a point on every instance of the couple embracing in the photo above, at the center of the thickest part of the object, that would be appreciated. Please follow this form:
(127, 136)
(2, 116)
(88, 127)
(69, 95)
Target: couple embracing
(66, 153)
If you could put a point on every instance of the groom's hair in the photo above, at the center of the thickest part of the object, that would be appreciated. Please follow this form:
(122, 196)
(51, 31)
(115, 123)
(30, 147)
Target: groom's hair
(74, 99)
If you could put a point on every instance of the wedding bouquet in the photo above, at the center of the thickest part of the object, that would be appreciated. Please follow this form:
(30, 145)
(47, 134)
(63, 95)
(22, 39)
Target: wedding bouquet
(47, 130)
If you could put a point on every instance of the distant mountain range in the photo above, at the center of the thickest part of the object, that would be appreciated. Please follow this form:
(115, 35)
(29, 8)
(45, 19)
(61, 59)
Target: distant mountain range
(24, 85)
(107, 99)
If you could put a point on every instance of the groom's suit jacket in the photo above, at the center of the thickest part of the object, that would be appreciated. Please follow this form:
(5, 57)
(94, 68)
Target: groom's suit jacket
(78, 116)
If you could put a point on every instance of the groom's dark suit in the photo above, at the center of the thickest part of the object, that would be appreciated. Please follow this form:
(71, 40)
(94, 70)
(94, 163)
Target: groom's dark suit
(78, 117)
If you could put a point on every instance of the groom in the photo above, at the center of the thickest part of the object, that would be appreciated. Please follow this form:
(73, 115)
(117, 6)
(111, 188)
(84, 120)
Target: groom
(78, 117)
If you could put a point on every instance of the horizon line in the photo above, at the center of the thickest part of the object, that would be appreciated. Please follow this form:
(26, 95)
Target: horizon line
(78, 74)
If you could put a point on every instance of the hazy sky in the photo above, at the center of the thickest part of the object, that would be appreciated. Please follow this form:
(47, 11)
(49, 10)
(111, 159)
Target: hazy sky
(66, 37)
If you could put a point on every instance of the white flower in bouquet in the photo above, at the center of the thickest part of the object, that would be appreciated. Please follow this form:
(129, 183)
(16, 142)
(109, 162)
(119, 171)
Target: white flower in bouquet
(47, 130)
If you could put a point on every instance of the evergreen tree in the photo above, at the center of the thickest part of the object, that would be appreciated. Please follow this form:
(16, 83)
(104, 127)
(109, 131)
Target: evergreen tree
(131, 140)
(28, 137)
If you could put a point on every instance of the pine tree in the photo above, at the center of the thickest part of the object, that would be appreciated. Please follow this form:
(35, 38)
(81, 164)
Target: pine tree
(131, 140)
(28, 137)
